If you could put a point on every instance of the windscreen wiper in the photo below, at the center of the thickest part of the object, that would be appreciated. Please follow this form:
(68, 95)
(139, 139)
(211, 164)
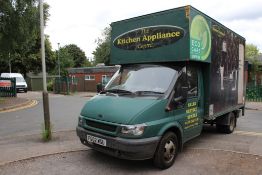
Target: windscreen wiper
(149, 93)
(119, 91)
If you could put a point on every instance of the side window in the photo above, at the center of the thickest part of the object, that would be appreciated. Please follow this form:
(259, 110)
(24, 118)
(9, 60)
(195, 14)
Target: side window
(180, 88)
(192, 80)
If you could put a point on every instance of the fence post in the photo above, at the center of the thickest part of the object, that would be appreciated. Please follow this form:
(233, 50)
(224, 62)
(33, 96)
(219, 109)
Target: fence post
(67, 85)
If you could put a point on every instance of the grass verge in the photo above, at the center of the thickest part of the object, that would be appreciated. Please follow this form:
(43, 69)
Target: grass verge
(47, 134)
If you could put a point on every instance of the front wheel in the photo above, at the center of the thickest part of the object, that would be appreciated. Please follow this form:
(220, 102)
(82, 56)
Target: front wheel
(166, 151)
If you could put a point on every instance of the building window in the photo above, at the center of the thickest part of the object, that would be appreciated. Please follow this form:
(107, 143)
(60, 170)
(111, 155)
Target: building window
(73, 80)
(89, 77)
(105, 79)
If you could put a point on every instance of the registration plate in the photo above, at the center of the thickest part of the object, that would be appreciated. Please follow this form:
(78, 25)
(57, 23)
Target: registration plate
(96, 140)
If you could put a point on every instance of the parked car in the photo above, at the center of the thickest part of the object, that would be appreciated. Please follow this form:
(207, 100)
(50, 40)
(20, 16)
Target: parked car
(20, 81)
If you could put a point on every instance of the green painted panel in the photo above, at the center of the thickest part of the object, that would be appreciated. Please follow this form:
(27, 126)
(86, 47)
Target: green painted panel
(157, 37)
(200, 36)
(116, 109)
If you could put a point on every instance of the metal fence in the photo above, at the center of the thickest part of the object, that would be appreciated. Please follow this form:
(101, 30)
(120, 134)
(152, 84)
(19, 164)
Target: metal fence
(254, 92)
(65, 85)
(7, 87)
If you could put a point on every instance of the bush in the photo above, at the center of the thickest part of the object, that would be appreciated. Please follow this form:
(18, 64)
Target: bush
(50, 85)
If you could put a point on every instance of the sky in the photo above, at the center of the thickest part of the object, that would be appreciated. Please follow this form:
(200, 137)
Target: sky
(81, 22)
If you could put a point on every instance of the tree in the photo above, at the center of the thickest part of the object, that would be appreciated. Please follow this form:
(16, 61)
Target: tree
(20, 35)
(102, 51)
(252, 54)
(66, 61)
(71, 56)
(33, 58)
(77, 54)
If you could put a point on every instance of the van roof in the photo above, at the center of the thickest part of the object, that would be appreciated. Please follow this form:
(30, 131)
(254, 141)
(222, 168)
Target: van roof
(11, 75)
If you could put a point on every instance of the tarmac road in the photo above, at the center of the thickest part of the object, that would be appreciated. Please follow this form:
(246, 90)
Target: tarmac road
(64, 111)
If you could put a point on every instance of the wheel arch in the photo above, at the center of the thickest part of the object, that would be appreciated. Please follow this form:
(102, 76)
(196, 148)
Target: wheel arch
(177, 129)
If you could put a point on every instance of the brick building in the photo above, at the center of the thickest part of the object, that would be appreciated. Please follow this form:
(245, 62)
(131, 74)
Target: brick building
(87, 78)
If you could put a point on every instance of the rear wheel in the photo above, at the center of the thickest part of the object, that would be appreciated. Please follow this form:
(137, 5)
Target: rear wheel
(229, 128)
(167, 151)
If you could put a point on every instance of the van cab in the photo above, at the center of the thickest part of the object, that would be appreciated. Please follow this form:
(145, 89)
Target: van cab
(140, 104)
(21, 84)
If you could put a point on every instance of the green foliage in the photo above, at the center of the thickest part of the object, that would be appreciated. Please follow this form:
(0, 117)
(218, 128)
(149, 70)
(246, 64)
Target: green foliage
(66, 61)
(46, 135)
(20, 36)
(102, 51)
(254, 92)
(50, 85)
(77, 54)
(252, 55)
(71, 56)
(252, 52)
(87, 63)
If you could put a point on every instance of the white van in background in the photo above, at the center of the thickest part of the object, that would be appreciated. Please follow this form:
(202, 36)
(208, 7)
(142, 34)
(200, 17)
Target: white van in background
(20, 81)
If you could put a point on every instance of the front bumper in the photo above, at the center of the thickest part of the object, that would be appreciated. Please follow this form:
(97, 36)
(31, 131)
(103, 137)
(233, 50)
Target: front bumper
(21, 88)
(132, 149)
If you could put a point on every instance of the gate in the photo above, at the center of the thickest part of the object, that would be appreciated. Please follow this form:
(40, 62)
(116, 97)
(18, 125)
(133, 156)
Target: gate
(65, 85)
(7, 87)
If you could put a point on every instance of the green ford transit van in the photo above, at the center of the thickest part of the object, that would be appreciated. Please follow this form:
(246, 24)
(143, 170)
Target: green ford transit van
(180, 69)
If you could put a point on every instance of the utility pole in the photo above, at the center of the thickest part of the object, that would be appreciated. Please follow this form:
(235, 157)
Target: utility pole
(9, 62)
(58, 59)
(59, 71)
(47, 133)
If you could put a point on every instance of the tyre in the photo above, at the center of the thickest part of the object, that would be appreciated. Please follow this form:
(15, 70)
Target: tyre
(167, 151)
(228, 129)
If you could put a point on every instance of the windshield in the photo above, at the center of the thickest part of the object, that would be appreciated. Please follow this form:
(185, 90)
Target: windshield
(20, 79)
(142, 78)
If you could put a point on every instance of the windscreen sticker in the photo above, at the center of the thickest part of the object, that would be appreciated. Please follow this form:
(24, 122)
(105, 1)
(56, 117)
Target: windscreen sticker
(149, 37)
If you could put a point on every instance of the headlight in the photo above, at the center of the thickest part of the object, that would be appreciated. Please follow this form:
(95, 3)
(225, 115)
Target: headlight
(80, 121)
(135, 130)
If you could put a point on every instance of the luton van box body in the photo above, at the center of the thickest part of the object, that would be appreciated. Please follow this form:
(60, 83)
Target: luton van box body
(179, 69)
(187, 35)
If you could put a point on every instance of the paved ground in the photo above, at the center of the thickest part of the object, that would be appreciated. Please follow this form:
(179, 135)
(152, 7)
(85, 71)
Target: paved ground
(24, 147)
(12, 102)
(254, 105)
(90, 162)
(211, 153)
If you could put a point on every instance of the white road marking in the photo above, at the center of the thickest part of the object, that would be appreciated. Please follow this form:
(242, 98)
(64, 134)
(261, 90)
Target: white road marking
(248, 133)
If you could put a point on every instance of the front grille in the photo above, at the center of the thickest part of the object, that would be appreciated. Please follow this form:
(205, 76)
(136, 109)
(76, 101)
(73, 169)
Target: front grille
(20, 86)
(103, 126)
